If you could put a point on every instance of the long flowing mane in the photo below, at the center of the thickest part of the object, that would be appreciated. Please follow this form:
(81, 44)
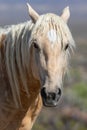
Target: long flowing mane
(16, 55)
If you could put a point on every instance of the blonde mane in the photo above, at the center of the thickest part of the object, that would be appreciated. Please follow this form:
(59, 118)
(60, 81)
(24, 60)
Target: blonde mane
(16, 55)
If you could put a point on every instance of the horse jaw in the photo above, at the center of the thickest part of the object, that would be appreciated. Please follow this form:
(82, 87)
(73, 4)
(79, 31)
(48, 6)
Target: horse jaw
(66, 14)
(32, 13)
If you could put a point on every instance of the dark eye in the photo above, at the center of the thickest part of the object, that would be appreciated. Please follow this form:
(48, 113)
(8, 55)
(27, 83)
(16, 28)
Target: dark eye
(66, 47)
(36, 46)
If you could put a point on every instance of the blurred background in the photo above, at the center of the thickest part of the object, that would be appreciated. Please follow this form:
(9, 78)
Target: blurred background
(71, 114)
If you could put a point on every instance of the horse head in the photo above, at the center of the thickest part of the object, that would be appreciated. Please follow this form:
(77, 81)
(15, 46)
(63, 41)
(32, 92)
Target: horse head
(50, 42)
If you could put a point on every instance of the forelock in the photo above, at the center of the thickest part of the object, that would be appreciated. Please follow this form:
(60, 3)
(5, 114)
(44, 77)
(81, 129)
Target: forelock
(54, 27)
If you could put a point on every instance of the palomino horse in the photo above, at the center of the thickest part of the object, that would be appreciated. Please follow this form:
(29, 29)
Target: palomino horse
(33, 62)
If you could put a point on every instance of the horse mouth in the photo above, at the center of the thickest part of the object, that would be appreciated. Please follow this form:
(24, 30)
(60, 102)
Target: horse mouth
(49, 104)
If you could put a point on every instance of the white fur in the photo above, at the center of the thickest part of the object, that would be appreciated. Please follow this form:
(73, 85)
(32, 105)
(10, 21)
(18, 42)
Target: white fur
(52, 36)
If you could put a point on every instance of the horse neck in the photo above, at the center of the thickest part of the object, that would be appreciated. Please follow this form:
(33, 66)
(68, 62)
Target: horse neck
(17, 62)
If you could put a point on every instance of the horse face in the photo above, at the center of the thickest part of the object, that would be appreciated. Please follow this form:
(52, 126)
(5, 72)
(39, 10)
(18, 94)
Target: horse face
(50, 42)
(51, 62)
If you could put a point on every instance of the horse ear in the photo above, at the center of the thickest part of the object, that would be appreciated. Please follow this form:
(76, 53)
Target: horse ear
(32, 13)
(66, 14)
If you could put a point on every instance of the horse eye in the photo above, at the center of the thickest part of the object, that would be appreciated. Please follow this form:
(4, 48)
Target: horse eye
(35, 46)
(66, 47)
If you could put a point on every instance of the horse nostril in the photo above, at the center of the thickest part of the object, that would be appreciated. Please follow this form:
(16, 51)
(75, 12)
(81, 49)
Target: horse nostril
(59, 92)
(43, 92)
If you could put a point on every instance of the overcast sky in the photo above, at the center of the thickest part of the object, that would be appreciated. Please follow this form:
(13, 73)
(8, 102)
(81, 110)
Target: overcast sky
(15, 11)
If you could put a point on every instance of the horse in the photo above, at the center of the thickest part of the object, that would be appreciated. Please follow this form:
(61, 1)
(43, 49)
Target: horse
(34, 58)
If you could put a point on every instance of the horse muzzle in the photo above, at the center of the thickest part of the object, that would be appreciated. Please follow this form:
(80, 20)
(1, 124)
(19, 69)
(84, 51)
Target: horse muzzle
(50, 99)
